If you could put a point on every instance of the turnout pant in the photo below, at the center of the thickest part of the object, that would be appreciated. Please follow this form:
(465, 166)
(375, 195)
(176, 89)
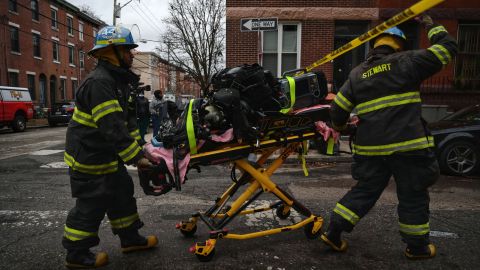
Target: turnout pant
(96, 195)
(413, 172)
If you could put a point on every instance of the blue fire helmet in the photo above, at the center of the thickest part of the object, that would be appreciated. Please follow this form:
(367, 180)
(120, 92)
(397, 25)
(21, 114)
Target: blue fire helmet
(393, 31)
(113, 36)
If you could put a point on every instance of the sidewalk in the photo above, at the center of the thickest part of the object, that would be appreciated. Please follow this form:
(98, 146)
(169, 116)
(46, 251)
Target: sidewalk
(36, 123)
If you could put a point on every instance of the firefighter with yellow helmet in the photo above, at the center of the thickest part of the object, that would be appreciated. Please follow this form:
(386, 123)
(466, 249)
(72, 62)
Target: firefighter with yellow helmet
(101, 138)
(391, 138)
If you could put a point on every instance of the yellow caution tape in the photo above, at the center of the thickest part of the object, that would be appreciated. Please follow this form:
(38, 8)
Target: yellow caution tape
(401, 17)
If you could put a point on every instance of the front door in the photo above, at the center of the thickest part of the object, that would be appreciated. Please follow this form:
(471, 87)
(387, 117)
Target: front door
(346, 31)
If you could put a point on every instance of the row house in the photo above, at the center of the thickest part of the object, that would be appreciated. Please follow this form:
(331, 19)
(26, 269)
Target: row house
(160, 75)
(310, 29)
(43, 47)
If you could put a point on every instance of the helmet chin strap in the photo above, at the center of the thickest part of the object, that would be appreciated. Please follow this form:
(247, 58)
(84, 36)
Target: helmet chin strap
(120, 58)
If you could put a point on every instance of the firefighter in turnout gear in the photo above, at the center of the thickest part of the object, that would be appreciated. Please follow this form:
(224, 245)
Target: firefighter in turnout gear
(391, 137)
(101, 138)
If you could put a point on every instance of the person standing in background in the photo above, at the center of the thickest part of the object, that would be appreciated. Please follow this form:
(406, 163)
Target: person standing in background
(156, 111)
(143, 115)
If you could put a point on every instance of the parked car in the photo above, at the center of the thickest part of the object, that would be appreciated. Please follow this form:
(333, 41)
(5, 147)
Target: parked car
(457, 141)
(60, 113)
(16, 107)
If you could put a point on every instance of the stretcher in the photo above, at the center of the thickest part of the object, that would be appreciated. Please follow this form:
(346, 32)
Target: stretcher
(255, 180)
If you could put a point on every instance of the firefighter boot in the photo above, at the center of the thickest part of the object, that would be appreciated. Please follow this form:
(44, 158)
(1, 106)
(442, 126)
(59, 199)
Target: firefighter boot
(84, 258)
(332, 238)
(132, 241)
(420, 252)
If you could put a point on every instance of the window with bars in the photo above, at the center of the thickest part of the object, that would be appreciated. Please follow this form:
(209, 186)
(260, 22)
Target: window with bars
(14, 39)
(36, 45)
(467, 64)
(281, 48)
(31, 86)
(13, 79)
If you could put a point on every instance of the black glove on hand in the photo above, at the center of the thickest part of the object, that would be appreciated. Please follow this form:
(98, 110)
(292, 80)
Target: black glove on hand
(425, 20)
(154, 180)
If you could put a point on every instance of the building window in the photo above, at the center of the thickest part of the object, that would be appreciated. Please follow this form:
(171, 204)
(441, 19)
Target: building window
(31, 85)
(34, 7)
(94, 33)
(467, 64)
(56, 50)
(71, 55)
(81, 59)
(70, 25)
(14, 40)
(12, 78)
(63, 88)
(36, 45)
(80, 31)
(74, 88)
(53, 16)
(280, 49)
(12, 5)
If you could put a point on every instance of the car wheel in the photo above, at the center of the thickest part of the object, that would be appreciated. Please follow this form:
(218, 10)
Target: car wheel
(460, 158)
(19, 123)
(51, 123)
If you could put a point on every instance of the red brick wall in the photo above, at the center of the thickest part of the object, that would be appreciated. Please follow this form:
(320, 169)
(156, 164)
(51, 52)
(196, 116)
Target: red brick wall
(317, 42)
(241, 47)
(26, 62)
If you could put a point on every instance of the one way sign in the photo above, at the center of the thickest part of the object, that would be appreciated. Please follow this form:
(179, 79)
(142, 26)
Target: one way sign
(259, 24)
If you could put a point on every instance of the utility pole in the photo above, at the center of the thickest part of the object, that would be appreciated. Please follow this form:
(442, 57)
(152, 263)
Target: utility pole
(117, 10)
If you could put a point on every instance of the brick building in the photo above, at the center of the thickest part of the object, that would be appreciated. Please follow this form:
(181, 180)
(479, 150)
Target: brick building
(157, 72)
(310, 29)
(43, 46)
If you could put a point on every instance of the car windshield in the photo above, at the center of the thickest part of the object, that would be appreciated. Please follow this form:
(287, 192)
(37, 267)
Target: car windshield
(466, 114)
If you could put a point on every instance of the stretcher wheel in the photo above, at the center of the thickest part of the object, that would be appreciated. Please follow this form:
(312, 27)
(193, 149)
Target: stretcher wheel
(206, 258)
(189, 233)
(309, 231)
(280, 212)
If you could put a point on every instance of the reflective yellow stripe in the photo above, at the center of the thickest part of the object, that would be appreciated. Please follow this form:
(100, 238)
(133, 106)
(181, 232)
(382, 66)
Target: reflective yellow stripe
(435, 31)
(136, 134)
(291, 87)
(130, 152)
(420, 229)
(388, 149)
(388, 101)
(124, 222)
(75, 235)
(346, 213)
(90, 169)
(343, 102)
(192, 142)
(441, 53)
(105, 108)
(111, 41)
(83, 118)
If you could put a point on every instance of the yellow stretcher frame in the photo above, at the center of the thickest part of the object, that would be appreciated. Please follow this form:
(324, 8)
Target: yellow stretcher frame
(257, 179)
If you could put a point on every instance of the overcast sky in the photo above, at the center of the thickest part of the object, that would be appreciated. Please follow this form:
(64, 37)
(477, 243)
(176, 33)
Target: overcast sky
(147, 14)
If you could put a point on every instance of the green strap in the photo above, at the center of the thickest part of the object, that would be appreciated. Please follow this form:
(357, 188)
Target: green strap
(330, 144)
(190, 130)
(291, 85)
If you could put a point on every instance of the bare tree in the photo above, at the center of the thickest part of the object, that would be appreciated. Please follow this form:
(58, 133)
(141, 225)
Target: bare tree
(89, 11)
(194, 37)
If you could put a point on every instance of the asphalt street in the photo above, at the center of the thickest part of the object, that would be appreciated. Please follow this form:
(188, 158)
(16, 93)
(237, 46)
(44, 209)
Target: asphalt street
(35, 199)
